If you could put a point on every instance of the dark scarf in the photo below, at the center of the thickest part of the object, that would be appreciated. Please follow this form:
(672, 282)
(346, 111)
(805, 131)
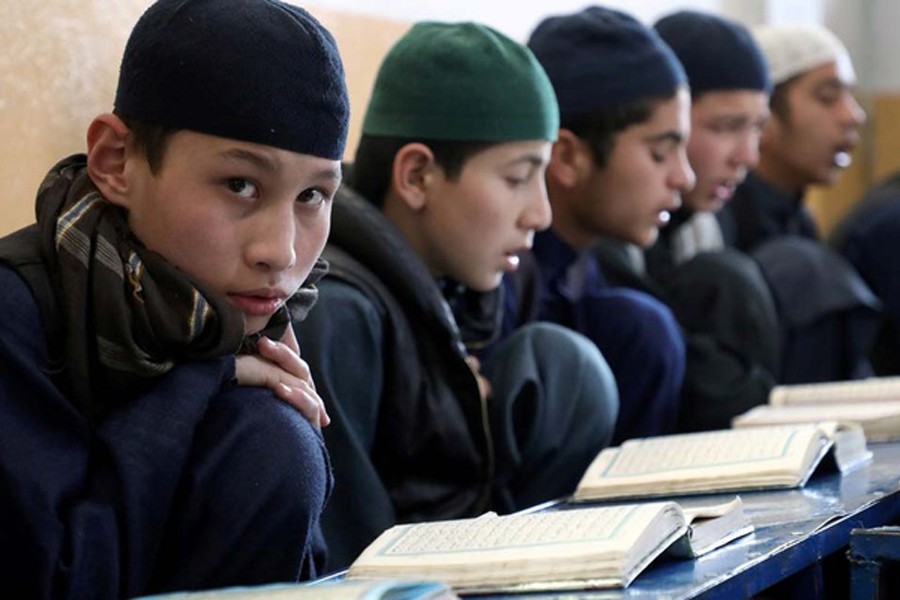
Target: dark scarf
(129, 316)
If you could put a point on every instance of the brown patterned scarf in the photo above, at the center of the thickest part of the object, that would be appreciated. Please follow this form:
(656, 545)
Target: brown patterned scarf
(129, 316)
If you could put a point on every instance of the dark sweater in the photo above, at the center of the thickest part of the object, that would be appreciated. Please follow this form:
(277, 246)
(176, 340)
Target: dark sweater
(194, 484)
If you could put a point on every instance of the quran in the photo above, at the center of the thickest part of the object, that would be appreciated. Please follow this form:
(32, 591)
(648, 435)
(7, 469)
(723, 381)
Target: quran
(362, 589)
(872, 403)
(726, 460)
(565, 549)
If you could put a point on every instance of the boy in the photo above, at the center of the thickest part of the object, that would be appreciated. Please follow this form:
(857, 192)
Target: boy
(808, 140)
(447, 189)
(719, 297)
(867, 237)
(827, 313)
(131, 461)
(617, 170)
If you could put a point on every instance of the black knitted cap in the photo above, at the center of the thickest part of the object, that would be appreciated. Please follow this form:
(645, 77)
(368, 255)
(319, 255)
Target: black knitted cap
(259, 71)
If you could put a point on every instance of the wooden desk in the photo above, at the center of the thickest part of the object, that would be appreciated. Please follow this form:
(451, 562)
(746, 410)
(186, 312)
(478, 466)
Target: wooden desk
(795, 529)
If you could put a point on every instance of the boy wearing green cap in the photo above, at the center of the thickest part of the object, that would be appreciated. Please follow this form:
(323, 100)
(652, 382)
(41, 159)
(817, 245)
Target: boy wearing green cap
(138, 453)
(447, 188)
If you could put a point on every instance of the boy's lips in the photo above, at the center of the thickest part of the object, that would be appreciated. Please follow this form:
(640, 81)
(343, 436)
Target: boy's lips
(258, 303)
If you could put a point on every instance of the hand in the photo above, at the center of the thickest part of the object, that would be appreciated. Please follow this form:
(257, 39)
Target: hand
(280, 368)
(484, 386)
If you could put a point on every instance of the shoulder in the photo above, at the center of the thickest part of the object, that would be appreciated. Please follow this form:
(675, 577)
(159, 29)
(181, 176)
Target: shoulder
(344, 314)
(20, 318)
(339, 297)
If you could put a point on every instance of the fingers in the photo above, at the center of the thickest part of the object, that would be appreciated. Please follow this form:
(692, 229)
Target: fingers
(307, 401)
(286, 358)
(278, 368)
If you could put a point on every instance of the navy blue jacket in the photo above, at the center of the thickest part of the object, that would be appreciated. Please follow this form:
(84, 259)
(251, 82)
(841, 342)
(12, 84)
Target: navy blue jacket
(637, 334)
(196, 483)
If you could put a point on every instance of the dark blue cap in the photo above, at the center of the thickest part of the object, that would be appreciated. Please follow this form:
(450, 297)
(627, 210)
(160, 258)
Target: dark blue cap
(717, 53)
(601, 58)
(259, 71)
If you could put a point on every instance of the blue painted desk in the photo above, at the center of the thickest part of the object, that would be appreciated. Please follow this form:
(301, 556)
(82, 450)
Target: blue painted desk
(795, 529)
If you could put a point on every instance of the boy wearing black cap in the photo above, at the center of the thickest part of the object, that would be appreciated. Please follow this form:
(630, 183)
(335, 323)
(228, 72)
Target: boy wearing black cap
(134, 457)
(447, 189)
(718, 295)
(617, 170)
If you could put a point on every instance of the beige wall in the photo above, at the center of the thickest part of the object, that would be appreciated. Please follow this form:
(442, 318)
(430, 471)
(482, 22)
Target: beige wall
(58, 69)
(877, 157)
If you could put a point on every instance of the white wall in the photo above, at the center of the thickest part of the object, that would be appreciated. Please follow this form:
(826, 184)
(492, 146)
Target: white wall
(514, 18)
(868, 27)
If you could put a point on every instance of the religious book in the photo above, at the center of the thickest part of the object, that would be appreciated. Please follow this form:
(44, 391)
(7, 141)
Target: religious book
(331, 589)
(873, 403)
(727, 460)
(711, 525)
(570, 548)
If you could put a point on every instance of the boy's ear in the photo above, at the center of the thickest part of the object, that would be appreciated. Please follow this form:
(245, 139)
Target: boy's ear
(570, 159)
(413, 172)
(106, 157)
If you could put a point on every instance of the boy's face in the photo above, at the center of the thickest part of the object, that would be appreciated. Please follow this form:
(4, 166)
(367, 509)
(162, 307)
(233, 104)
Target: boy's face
(631, 197)
(724, 144)
(473, 226)
(249, 221)
(814, 140)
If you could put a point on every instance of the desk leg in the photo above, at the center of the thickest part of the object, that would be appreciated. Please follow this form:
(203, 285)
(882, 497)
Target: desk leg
(869, 549)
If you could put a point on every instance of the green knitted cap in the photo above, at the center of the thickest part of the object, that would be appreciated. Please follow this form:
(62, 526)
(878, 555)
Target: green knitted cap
(461, 81)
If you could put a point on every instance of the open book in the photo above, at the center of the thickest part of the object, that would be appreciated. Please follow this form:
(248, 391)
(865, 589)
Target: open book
(720, 461)
(576, 548)
(873, 403)
(362, 589)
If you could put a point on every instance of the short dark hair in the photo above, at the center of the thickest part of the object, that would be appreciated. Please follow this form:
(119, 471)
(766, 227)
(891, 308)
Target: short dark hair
(778, 101)
(373, 164)
(151, 140)
(599, 127)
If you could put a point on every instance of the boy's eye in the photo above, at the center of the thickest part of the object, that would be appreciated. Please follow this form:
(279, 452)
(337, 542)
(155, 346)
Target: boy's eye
(242, 187)
(312, 197)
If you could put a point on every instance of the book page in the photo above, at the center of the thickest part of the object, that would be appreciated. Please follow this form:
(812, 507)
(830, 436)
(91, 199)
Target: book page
(712, 526)
(803, 413)
(558, 549)
(880, 420)
(492, 533)
(357, 589)
(705, 509)
(709, 461)
(875, 389)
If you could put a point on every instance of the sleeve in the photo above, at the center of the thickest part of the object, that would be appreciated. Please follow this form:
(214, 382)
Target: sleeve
(342, 339)
(183, 487)
(732, 334)
(81, 506)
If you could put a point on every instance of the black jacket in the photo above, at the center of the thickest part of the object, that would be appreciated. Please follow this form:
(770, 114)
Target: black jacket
(409, 438)
(730, 326)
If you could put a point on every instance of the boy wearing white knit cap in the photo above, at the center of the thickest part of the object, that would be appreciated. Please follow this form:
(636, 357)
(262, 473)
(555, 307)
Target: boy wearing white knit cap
(826, 312)
(813, 129)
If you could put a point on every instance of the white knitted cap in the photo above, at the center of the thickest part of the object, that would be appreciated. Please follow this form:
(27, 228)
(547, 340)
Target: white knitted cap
(794, 49)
